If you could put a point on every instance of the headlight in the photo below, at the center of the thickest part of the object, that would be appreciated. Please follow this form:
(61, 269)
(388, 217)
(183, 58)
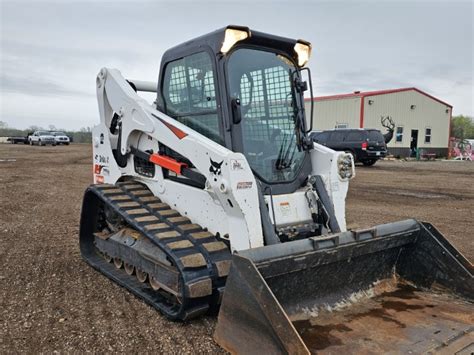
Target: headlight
(232, 36)
(345, 166)
(303, 50)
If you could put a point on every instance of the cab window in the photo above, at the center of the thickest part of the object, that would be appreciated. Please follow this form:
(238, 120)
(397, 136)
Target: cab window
(189, 94)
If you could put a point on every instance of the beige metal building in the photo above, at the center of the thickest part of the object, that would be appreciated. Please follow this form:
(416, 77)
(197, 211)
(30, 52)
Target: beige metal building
(421, 120)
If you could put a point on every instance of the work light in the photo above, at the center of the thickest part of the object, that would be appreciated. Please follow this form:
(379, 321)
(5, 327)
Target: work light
(303, 50)
(232, 36)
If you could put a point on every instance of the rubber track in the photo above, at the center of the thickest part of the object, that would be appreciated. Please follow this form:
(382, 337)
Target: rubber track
(204, 260)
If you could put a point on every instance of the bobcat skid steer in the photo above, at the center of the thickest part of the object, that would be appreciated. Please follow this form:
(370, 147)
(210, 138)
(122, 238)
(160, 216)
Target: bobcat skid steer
(215, 196)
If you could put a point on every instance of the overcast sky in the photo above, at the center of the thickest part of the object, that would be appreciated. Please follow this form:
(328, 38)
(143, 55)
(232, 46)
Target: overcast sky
(52, 51)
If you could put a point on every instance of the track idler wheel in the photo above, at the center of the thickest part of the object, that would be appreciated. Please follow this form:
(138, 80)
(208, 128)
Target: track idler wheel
(118, 263)
(107, 257)
(154, 284)
(141, 275)
(129, 269)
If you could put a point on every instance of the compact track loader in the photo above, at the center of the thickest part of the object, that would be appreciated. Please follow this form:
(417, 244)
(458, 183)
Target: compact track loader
(215, 196)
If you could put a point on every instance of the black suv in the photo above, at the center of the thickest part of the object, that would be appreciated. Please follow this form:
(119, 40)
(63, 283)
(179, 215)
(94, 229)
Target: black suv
(366, 145)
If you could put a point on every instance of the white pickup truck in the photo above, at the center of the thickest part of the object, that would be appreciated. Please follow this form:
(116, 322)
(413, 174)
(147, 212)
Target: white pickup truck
(60, 138)
(42, 138)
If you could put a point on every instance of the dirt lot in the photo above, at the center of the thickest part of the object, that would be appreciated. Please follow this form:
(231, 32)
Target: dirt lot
(52, 301)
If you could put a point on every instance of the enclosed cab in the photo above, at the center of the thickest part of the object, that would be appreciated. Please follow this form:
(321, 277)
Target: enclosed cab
(243, 90)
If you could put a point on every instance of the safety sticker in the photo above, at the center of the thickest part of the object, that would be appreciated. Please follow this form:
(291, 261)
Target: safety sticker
(244, 185)
(237, 164)
(285, 208)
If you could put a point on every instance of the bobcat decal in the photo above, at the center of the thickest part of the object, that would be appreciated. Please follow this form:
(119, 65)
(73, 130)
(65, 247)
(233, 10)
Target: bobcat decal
(215, 167)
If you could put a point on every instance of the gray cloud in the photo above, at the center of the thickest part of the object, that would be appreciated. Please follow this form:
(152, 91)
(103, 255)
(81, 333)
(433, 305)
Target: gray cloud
(37, 87)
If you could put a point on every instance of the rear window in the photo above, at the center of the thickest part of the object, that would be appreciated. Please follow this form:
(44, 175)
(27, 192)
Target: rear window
(376, 136)
(356, 136)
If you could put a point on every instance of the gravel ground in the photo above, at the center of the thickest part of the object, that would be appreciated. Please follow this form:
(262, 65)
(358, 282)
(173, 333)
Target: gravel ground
(52, 301)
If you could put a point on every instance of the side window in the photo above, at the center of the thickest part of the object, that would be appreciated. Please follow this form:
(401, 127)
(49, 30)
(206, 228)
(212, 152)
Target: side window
(354, 136)
(427, 135)
(337, 137)
(399, 135)
(189, 94)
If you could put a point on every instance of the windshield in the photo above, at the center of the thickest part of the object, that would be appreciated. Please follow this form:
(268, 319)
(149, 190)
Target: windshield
(59, 134)
(43, 133)
(262, 82)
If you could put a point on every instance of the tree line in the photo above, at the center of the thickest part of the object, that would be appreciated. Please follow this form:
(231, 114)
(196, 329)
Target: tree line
(462, 127)
(83, 135)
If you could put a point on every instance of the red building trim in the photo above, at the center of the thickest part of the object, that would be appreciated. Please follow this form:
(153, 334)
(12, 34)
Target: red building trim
(449, 131)
(375, 93)
(362, 112)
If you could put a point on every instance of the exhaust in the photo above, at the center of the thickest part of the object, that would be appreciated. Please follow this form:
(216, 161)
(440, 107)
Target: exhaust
(330, 293)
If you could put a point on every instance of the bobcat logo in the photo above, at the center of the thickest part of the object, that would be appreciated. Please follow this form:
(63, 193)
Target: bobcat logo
(215, 167)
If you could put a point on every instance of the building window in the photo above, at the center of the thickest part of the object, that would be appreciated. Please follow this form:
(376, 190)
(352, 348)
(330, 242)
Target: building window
(341, 125)
(399, 135)
(427, 135)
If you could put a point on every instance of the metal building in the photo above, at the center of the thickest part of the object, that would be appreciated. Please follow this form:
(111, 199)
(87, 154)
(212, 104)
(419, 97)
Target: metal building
(421, 120)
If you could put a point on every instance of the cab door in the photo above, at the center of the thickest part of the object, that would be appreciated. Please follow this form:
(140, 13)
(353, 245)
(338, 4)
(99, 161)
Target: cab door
(189, 93)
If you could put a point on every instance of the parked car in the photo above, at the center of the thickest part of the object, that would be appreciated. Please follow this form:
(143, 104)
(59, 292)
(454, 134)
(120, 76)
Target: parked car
(61, 138)
(16, 140)
(42, 138)
(366, 145)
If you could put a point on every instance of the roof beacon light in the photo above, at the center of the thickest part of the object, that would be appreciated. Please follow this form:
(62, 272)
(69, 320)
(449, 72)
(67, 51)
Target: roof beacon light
(303, 49)
(232, 36)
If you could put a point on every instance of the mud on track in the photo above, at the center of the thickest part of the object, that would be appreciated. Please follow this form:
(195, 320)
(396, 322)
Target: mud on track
(51, 300)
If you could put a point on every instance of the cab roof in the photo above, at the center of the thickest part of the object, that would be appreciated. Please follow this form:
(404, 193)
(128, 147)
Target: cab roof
(214, 40)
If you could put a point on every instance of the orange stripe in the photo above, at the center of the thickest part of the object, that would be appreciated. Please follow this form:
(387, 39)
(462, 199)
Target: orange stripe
(167, 163)
(177, 132)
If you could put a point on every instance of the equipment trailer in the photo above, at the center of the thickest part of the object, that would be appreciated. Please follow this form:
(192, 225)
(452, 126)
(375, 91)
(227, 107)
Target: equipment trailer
(215, 195)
